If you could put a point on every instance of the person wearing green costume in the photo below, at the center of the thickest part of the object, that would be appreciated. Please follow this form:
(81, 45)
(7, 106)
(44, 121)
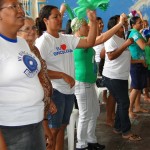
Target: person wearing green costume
(85, 76)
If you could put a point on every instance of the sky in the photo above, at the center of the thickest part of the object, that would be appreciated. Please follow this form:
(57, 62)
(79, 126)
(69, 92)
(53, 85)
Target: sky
(116, 7)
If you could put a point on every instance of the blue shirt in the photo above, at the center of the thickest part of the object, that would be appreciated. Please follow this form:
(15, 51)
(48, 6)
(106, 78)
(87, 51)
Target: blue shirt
(135, 50)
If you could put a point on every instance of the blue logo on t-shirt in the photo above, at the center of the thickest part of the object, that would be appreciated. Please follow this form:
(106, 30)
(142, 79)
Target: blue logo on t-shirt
(62, 50)
(30, 63)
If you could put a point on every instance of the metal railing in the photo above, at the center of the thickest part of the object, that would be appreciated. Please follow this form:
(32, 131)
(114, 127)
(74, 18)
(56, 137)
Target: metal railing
(32, 7)
(27, 4)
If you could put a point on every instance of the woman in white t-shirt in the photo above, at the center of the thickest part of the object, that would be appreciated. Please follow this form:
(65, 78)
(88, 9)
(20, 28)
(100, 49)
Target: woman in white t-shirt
(98, 48)
(57, 50)
(21, 93)
(115, 75)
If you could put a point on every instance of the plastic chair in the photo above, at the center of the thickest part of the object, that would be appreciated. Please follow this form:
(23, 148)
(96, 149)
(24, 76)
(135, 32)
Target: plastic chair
(71, 128)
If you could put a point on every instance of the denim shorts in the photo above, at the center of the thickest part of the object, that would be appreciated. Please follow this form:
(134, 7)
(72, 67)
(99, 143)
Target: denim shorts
(64, 104)
(27, 137)
(138, 76)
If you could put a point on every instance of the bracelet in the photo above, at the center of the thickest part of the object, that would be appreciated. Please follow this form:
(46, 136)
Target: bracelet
(45, 119)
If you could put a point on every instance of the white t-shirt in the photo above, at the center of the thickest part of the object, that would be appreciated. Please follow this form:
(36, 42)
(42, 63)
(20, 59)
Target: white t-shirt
(21, 93)
(118, 68)
(98, 49)
(58, 54)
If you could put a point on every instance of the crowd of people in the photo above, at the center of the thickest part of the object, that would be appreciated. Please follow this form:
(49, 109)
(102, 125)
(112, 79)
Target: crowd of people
(43, 70)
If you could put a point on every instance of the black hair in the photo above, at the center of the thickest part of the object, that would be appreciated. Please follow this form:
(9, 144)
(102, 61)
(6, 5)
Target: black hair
(68, 27)
(113, 21)
(45, 12)
(133, 21)
(99, 18)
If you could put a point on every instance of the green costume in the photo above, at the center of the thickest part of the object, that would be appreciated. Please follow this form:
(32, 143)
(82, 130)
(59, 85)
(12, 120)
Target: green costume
(147, 53)
(85, 66)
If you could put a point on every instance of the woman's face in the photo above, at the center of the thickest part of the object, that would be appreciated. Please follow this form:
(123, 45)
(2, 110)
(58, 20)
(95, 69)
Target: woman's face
(100, 24)
(145, 24)
(54, 22)
(12, 14)
(84, 29)
(138, 25)
(28, 31)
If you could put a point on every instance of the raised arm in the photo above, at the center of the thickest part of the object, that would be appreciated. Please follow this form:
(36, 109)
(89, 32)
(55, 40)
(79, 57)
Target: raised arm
(140, 14)
(116, 53)
(90, 40)
(108, 34)
(141, 43)
(62, 9)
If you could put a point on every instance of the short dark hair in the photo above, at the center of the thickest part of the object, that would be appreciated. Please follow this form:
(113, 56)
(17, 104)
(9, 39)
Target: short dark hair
(99, 18)
(113, 21)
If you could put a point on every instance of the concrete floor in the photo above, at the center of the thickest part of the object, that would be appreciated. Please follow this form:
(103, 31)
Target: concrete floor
(140, 126)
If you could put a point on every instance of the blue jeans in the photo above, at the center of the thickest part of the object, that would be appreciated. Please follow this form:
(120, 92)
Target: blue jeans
(119, 90)
(64, 104)
(28, 137)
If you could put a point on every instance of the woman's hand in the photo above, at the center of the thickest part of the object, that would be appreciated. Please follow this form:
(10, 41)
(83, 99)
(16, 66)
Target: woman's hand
(52, 107)
(144, 63)
(140, 14)
(68, 79)
(62, 9)
(123, 18)
(48, 135)
(129, 41)
(91, 15)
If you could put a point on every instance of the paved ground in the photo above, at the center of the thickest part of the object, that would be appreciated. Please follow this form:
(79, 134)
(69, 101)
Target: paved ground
(140, 126)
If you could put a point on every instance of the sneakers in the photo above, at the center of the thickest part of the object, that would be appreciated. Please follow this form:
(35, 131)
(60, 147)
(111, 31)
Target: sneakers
(95, 146)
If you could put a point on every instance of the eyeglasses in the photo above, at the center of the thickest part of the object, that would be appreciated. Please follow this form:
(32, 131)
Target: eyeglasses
(15, 6)
(28, 29)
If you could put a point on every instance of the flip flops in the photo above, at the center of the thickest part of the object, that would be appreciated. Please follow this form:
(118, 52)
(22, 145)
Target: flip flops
(141, 110)
(132, 137)
(117, 131)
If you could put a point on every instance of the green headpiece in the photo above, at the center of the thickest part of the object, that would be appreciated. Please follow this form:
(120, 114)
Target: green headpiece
(76, 24)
